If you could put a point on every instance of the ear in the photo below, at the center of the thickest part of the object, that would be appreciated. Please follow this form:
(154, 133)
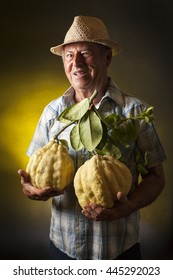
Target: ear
(109, 56)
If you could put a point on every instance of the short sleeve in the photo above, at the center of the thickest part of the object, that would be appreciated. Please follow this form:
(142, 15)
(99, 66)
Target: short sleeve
(149, 142)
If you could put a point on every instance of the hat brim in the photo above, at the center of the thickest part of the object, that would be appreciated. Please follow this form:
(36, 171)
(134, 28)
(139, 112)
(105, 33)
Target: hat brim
(115, 47)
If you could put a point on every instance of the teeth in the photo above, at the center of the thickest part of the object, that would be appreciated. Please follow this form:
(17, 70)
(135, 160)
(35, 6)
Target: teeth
(79, 72)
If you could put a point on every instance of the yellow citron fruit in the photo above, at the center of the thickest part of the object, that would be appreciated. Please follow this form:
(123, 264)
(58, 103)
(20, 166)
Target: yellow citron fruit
(99, 179)
(51, 166)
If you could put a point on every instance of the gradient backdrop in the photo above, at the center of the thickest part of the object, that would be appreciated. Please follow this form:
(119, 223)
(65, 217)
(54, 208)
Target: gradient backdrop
(30, 77)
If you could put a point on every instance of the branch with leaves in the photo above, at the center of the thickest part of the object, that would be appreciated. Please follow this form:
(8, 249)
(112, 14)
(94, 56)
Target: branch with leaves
(104, 136)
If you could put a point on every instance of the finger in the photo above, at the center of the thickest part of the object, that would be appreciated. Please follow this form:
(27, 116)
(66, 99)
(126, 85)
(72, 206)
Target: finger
(43, 194)
(92, 211)
(89, 212)
(34, 194)
(48, 190)
(24, 176)
(86, 213)
(97, 209)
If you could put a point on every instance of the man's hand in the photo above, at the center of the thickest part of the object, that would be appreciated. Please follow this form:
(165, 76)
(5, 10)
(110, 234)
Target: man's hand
(34, 193)
(121, 209)
(148, 190)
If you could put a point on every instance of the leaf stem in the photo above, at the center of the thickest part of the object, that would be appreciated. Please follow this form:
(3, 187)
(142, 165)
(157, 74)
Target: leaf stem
(62, 129)
(98, 114)
(91, 98)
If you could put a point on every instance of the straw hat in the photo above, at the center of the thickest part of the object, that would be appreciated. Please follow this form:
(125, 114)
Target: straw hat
(87, 29)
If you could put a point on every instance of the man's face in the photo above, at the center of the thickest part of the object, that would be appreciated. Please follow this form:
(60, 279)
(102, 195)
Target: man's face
(86, 65)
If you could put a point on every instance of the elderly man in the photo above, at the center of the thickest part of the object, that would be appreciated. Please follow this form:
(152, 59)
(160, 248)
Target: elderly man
(87, 51)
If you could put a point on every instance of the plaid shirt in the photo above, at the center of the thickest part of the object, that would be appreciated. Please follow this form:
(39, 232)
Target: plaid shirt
(70, 231)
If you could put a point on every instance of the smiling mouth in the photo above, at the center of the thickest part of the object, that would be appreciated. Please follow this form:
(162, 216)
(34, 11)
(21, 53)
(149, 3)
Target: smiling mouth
(80, 73)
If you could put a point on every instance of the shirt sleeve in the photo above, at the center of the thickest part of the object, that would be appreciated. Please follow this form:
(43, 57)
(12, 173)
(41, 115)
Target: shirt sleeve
(41, 136)
(149, 143)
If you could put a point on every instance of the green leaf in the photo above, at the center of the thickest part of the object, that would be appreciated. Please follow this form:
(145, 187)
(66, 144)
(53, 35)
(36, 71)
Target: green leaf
(110, 149)
(141, 162)
(141, 169)
(64, 143)
(104, 137)
(131, 130)
(147, 120)
(62, 119)
(118, 136)
(90, 130)
(75, 112)
(150, 110)
(114, 151)
(147, 115)
(75, 138)
(91, 98)
(112, 120)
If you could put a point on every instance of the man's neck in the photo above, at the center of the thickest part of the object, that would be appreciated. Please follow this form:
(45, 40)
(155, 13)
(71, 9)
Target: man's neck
(81, 94)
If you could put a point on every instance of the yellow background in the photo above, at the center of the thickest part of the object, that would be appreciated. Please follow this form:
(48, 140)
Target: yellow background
(30, 77)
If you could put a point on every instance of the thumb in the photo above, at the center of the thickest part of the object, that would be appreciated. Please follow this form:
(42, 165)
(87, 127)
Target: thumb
(24, 176)
(121, 197)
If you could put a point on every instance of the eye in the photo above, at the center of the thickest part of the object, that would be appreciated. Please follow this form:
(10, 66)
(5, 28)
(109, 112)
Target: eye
(69, 56)
(86, 53)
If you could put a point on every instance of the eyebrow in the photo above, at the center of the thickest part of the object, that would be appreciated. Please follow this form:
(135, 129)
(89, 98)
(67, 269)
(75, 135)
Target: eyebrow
(81, 50)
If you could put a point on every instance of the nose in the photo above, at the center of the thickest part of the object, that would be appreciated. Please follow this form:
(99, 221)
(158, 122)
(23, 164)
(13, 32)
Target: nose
(78, 59)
